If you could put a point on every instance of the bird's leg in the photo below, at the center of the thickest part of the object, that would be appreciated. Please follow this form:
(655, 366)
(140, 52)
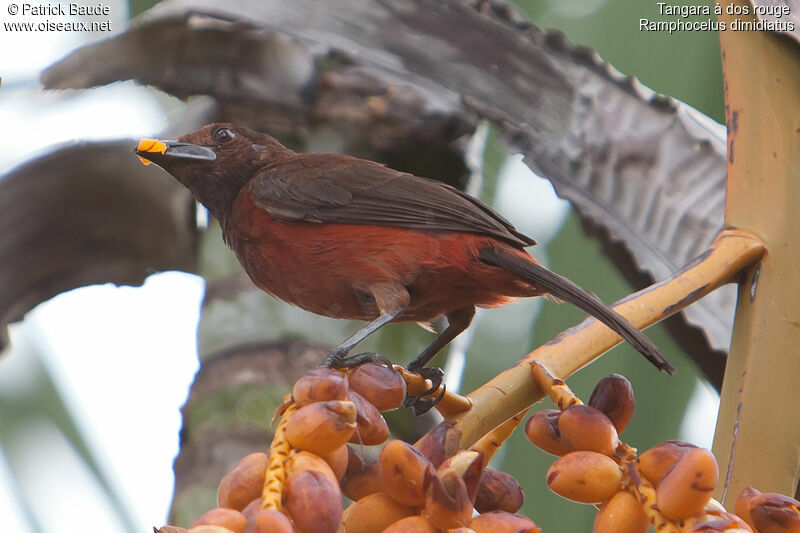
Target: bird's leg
(457, 321)
(338, 357)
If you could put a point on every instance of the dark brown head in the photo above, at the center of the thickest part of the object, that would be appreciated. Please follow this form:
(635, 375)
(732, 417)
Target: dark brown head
(215, 161)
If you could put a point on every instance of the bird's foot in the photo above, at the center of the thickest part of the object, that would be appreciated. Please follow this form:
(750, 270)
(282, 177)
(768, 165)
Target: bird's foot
(422, 405)
(419, 403)
(339, 359)
(435, 376)
(334, 359)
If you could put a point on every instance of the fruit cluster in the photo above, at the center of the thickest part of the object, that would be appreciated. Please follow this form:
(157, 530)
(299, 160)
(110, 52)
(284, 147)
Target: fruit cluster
(411, 494)
(313, 461)
(298, 486)
(669, 485)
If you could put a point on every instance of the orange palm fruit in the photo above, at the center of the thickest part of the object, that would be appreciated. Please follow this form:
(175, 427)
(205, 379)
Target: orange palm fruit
(380, 385)
(447, 502)
(319, 385)
(371, 428)
(623, 513)
(775, 513)
(361, 478)
(686, 488)
(585, 428)
(542, 430)
(269, 521)
(498, 491)
(228, 518)
(337, 460)
(374, 513)
(655, 462)
(585, 477)
(311, 495)
(745, 502)
(403, 470)
(322, 427)
(613, 395)
(243, 482)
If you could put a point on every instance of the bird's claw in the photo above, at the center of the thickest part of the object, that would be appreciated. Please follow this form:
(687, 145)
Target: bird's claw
(420, 404)
(423, 405)
(337, 360)
(334, 359)
(435, 375)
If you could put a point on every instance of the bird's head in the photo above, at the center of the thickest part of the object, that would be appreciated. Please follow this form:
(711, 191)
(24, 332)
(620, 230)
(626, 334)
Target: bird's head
(215, 161)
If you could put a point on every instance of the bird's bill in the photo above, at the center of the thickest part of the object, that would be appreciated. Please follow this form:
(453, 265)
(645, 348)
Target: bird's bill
(156, 151)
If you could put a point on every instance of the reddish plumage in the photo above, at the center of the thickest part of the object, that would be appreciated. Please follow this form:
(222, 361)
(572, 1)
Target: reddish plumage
(297, 262)
(349, 238)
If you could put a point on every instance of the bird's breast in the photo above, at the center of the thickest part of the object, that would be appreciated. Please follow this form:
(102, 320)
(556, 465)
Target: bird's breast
(328, 268)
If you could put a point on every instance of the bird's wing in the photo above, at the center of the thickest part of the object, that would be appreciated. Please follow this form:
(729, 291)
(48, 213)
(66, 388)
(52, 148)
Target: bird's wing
(331, 188)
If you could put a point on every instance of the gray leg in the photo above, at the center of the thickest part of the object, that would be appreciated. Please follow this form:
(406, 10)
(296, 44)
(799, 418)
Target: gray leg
(336, 358)
(457, 321)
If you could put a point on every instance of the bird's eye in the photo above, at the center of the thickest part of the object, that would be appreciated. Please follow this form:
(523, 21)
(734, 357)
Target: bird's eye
(223, 135)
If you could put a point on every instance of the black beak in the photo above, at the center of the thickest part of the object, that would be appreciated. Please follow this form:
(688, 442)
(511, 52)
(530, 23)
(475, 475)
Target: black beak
(158, 152)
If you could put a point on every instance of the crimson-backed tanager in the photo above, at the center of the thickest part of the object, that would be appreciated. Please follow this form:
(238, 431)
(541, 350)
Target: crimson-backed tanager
(350, 238)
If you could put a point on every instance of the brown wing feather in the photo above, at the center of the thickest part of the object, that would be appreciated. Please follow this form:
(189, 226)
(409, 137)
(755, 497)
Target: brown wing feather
(331, 188)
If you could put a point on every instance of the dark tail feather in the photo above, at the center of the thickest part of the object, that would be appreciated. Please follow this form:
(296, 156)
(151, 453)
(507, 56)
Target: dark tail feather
(566, 290)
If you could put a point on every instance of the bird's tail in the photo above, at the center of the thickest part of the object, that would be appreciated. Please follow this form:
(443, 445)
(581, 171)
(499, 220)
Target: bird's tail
(568, 291)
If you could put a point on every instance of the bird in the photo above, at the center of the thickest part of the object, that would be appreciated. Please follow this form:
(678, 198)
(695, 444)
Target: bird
(350, 238)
